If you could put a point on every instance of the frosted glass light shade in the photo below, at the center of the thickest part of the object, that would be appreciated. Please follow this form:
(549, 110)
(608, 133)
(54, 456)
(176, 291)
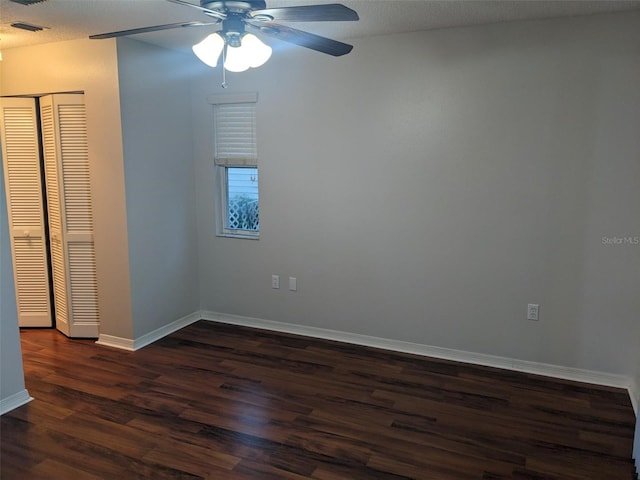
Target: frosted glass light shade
(257, 51)
(209, 49)
(236, 59)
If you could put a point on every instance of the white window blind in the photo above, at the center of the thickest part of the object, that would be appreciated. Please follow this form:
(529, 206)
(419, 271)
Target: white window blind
(235, 134)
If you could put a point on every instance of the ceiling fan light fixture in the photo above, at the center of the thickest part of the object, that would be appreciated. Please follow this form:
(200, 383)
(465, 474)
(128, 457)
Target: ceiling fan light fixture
(241, 53)
(209, 49)
(252, 53)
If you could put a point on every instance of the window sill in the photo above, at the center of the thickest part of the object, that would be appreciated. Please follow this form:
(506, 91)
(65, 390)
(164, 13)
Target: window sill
(246, 236)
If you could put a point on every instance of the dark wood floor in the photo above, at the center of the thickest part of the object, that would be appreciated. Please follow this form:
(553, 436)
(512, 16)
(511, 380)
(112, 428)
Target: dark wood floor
(223, 402)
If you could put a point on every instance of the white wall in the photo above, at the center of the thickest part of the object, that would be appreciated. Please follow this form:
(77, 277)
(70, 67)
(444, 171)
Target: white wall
(11, 373)
(159, 177)
(89, 66)
(427, 186)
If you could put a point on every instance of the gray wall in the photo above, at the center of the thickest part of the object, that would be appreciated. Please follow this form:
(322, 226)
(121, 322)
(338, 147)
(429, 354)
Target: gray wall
(429, 185)
(11, 372)
(156, 128)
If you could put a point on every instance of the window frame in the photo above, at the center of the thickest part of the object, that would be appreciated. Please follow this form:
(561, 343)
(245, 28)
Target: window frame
(222, 214)
(221, 173)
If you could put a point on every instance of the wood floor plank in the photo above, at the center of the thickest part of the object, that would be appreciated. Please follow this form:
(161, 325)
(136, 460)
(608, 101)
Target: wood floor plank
(53, 469)
(215, 401)
(190, 458)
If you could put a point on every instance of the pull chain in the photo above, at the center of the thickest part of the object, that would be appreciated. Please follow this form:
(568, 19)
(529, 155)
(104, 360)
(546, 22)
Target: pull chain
(224, 72)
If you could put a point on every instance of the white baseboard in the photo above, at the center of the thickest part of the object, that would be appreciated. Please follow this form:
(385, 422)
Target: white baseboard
(148, 338)
(556, 371)
(115, 342)
(14, 401)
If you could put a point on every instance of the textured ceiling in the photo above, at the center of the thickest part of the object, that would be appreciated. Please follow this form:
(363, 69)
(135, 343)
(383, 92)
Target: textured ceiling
(71, 19)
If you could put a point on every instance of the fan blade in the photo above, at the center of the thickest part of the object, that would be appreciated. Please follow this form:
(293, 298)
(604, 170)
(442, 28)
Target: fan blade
(133, 31)
(333, 12)
(304, 39)
(208, 11)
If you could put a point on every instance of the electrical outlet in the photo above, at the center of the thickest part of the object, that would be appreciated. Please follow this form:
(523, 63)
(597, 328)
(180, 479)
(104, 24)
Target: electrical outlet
(532, 311)
(275, 281)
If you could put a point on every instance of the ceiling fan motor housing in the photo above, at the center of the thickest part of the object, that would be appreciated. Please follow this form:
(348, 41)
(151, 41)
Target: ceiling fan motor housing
(233, 29)
(233, 6)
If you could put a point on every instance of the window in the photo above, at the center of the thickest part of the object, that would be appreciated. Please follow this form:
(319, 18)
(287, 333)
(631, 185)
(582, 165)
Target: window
(236, 165)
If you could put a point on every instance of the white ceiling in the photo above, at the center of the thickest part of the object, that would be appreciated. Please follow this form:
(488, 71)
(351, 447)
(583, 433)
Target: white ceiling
(72, 19)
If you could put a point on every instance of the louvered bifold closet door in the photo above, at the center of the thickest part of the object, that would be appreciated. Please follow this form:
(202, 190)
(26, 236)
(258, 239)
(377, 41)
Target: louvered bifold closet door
(53, 207)
(23, 185)
(66, 158)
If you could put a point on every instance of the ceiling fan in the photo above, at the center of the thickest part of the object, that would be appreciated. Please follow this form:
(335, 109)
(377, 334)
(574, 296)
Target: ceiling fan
(241, 49)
